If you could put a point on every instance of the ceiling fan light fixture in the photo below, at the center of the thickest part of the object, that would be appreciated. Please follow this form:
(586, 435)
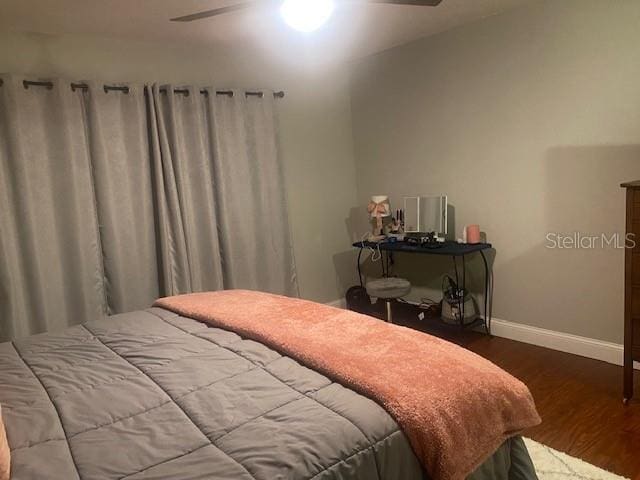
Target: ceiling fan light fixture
(306, 15)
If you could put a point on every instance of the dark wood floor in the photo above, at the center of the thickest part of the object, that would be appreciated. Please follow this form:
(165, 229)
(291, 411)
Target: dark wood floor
(579, 399)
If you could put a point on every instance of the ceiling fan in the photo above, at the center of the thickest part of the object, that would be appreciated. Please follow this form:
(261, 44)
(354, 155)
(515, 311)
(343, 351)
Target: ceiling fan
(305, 15)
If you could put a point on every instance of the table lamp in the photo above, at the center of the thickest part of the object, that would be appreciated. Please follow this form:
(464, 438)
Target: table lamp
(378, 208)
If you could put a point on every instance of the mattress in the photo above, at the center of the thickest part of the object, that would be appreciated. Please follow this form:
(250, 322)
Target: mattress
(153, 395)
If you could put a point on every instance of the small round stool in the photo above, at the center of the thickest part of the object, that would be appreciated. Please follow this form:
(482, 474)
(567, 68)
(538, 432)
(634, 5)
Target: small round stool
(388, 289)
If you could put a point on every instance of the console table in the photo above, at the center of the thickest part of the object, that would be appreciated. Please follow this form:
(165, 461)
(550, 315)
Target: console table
(454, 250)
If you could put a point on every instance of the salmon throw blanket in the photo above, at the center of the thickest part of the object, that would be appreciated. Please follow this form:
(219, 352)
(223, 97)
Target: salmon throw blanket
(455, 407)
(5, 454)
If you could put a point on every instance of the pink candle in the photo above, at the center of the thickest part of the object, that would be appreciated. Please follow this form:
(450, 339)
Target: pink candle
(473, 233)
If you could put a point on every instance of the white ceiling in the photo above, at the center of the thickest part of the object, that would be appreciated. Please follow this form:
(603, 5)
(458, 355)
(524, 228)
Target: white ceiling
(355, 29)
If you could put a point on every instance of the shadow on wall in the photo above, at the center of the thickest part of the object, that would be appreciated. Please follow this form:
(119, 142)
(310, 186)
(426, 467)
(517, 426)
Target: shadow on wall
(345, 262)
(547, 282)
(357, 223)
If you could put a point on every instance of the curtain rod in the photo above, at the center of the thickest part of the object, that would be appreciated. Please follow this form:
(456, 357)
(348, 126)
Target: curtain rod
(125, 89)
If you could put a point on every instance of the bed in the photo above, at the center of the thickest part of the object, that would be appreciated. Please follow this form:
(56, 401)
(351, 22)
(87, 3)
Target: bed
(155, 395)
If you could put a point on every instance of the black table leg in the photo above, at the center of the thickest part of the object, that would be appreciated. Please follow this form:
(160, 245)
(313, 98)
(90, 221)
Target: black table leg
(360, 267)
(464, 289)
(386, 263)
(487, 300)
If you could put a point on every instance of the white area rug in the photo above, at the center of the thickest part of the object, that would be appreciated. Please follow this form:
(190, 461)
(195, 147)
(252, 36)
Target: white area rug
(553, 465)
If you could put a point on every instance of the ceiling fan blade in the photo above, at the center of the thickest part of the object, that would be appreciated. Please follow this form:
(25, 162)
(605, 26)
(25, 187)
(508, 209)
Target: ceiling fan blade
(418, 3)
(214, 12)
(246, 5)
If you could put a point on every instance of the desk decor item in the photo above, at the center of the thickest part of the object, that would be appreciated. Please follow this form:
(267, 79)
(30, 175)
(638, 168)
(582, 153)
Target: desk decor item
(458, 307)
(379, 208)
(472, 234)
(426, 215)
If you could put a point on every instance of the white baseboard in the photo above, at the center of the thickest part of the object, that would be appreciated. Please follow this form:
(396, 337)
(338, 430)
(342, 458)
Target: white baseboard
(564, 342)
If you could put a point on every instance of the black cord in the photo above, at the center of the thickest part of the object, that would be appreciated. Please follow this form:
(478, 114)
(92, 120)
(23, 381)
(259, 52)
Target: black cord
(455, 267)
(383, 261)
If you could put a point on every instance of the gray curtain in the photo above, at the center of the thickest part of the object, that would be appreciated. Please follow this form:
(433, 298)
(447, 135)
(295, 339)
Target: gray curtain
(184, 174)
(51, 270)
(117, 131)
(251, 200)
(111, 199)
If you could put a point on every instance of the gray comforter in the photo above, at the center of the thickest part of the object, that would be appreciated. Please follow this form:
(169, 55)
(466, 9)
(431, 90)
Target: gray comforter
(152, 395)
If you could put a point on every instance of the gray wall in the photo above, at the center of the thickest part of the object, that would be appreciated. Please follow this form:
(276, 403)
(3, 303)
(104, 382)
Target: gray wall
(315, 123)
(529, 121)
